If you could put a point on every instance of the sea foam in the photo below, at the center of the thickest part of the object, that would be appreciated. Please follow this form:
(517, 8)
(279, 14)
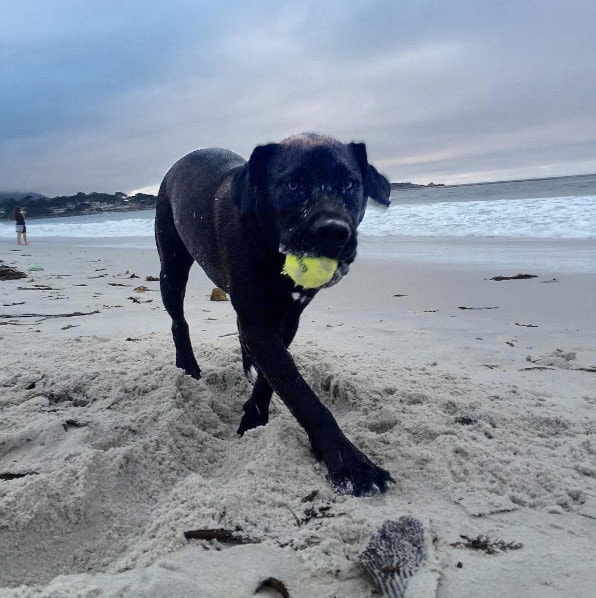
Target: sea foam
(544, 218)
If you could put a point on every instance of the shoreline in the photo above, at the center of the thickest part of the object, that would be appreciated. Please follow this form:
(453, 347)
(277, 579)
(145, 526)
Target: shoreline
(484, 416)
(548, 256)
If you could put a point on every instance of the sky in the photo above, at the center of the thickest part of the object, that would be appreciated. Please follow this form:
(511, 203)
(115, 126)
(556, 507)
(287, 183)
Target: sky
(104, 95)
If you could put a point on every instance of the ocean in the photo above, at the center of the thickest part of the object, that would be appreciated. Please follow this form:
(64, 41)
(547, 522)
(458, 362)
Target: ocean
(558, 208)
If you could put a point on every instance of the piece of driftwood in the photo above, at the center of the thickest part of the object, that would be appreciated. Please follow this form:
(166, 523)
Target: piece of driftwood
(516, 277)
(15, 476)
(70, 315)
(394, 554)
(221, 535)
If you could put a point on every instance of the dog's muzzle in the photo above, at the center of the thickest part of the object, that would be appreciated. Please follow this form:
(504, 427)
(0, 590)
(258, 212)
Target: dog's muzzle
(324, 235)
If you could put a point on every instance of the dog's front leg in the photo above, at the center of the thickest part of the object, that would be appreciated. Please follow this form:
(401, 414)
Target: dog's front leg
(256, 409)
(350, 470)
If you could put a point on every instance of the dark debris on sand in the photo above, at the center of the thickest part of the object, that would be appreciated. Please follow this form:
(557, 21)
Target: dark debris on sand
(9, 273)
(516, 277)
(486, 545)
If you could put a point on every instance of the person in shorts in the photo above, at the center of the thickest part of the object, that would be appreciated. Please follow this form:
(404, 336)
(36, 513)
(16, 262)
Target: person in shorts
(21, 228)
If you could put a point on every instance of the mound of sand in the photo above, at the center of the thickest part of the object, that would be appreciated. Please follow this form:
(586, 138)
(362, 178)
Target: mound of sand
(108, 455)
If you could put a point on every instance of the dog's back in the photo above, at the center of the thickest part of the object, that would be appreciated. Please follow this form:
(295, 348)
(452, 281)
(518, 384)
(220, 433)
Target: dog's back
(195, 191)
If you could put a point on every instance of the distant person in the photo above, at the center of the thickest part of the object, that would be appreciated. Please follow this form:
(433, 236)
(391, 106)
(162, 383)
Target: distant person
(21, 228)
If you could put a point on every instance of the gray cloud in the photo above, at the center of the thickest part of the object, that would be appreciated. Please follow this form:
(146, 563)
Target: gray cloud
(107, 95)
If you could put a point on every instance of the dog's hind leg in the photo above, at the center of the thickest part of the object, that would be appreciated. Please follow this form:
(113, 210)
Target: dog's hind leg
(175, 266)
(256, 409)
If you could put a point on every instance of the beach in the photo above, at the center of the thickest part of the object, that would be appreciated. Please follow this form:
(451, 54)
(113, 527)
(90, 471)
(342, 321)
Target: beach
(478, 395)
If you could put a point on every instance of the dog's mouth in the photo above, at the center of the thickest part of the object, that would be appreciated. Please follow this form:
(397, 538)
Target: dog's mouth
(325, 236)
(329, 238)
(343, 266)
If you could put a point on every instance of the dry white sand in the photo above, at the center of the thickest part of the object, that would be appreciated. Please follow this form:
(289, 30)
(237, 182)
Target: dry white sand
(485, 417)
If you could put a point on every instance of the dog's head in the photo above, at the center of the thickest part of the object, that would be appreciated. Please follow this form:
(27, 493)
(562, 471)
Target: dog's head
(308, 194)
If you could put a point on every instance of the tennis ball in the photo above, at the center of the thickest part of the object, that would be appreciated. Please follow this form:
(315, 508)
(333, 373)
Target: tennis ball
(309, 272)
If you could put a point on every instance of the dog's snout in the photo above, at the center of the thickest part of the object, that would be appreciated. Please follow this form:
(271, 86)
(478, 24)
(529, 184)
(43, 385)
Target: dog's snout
(332, 231)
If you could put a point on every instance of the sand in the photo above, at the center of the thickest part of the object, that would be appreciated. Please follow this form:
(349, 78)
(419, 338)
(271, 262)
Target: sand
(484, 416)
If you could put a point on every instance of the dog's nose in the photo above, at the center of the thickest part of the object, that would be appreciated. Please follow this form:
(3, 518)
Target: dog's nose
(332, 231)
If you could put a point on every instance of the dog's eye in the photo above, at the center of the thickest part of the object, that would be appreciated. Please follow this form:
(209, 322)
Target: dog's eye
(348, 185)
(292, 185)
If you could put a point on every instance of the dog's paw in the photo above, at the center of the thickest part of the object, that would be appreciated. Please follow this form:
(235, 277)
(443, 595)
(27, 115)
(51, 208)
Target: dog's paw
(352, 472)
(191, 368)
(194, 372)
(252, 418)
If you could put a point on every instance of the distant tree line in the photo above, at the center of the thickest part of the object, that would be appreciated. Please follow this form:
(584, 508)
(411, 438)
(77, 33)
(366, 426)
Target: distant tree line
(76, 205)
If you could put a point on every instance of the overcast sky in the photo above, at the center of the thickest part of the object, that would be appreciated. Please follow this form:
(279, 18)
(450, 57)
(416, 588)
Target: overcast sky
(102, 95)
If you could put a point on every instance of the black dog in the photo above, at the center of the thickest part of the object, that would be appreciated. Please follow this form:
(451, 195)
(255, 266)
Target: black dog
(303, 196)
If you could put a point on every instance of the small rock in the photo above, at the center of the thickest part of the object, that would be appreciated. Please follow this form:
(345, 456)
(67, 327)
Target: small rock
(218, 295)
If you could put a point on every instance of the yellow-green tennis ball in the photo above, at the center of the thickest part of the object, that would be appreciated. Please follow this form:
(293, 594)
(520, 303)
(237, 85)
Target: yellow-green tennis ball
(310, 272)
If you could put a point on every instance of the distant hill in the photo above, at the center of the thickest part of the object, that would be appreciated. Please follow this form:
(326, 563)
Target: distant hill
(39, 206)
(19, 195)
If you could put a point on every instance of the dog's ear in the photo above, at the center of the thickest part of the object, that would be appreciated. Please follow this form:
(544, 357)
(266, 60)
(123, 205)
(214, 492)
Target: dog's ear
(258, 165)
(376, 186)
(251, 180)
